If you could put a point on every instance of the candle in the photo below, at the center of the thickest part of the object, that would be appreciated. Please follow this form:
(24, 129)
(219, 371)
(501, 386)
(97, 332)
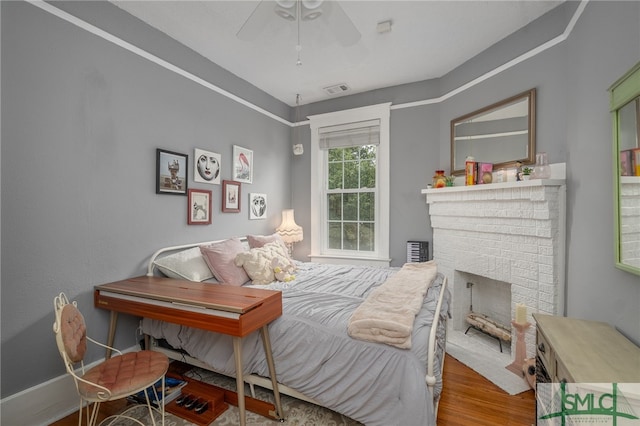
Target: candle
(521, 313)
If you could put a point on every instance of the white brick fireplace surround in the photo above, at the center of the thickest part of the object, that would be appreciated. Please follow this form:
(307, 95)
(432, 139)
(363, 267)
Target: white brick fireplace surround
(511, 232)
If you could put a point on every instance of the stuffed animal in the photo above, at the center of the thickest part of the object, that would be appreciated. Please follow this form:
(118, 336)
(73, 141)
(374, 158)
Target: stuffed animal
(281, 271)
(529, 371)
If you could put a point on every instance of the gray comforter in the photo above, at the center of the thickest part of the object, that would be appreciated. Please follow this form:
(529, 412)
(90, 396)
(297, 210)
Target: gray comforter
(373, 383)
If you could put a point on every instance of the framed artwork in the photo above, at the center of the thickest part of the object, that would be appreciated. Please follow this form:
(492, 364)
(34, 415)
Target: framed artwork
(257, 206)
(206, 166)
(242, 164)
(230, 196)
(171, 172)
(199, 207)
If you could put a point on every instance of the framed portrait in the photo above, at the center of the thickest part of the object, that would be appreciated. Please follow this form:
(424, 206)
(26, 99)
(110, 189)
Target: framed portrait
(231, 196)
(257, 206)
(206, 166)
(171, 172)
(199, 207)
(242, 164)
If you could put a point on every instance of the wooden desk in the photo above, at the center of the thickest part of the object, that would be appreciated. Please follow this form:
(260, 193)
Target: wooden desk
(235, 311)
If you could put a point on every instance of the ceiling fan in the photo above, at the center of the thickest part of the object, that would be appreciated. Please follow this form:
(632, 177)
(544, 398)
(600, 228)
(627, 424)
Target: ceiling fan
(325, 16)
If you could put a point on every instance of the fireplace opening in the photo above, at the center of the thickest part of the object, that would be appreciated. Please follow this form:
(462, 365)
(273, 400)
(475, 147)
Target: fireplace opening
(483, 314)
(485, 324)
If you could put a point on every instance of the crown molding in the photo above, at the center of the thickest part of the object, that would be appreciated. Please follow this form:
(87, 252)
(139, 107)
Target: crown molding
(48, 7)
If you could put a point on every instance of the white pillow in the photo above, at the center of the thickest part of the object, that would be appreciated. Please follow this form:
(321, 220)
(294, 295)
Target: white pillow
(257, 241)
(185, 265)
(257, 262)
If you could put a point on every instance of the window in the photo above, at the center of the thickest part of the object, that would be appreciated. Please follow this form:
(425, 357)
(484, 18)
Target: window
(350, 181)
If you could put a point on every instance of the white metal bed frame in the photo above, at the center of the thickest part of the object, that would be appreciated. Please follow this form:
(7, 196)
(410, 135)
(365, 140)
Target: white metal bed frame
(252, 380)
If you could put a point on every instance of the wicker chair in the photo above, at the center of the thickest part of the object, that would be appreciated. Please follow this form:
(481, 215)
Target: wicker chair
(117, 377)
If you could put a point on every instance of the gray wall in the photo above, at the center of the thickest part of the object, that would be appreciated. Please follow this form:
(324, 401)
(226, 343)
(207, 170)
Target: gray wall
(605, 44)
(573, 126)
(82, 119)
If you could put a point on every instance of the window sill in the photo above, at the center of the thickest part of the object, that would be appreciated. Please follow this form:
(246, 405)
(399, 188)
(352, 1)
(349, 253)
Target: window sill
(349, 260)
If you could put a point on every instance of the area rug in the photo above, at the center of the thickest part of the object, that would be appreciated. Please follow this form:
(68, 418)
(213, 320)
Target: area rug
(296, 412)
(480, 353)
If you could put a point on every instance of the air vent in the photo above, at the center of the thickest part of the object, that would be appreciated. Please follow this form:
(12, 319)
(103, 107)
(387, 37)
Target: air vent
(336, 89)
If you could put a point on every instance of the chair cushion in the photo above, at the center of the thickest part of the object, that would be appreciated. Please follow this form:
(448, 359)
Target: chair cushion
(125, 374)
(73, 332)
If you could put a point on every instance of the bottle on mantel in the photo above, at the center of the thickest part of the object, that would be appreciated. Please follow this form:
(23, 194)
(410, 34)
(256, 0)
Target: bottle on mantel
(439, 179)
(470, 171)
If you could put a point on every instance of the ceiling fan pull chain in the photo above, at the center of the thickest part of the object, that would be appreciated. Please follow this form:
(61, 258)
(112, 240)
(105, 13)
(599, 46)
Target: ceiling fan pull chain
(298, 16)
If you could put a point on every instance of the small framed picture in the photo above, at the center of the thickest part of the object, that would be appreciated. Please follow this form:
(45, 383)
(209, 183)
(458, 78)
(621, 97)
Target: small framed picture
(257, 206)
(231, 196)
(171, 172)
(242, 164)
(206, 166)
(199, 207)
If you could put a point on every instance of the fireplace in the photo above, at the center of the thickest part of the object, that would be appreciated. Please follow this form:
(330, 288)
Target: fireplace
(506, 237)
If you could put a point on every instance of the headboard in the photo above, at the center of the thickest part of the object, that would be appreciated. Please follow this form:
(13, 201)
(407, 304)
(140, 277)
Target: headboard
(173, 249)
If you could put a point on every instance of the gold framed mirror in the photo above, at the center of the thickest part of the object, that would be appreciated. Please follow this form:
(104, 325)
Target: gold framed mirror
(625, 114)
(503, 134)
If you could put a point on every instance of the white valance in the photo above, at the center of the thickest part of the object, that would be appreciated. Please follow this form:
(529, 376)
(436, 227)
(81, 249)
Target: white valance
(349, 135)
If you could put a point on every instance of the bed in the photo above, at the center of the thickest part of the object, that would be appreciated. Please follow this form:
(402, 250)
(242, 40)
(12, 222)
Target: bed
(316, 359)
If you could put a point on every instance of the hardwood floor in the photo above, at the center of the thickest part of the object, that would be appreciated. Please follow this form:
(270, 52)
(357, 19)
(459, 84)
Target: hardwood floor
(468, 399)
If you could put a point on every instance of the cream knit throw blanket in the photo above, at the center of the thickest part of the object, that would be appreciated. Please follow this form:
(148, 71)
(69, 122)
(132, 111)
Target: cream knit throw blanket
(388, 313)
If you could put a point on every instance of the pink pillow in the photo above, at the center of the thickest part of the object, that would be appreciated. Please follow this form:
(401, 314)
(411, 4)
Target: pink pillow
(220, 257)
(257, 241)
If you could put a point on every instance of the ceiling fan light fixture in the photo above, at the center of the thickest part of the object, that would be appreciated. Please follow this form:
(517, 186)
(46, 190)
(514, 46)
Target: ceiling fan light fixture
(310, 15)
(285, 13)
(312, 9)
(312, 4)
(287, 4)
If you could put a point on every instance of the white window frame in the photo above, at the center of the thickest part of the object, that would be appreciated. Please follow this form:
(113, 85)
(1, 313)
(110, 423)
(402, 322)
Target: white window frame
(319, 252)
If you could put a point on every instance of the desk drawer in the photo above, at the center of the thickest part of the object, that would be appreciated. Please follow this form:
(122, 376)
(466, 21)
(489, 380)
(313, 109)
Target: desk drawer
(562, 374)
(543, 352)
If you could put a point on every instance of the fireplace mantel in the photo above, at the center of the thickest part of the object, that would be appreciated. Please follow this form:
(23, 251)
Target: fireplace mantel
(495, 186)
(510, 232)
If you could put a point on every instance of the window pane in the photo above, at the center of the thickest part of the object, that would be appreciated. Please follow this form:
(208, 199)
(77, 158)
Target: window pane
(368, 152)
(335, 235)
(335, 176)
(367, 206)
(350, 236)
(351, 175)
(368, 174)
(335, 154)
(351, 153)
(334, 203)
(350, 207)
(367, 237)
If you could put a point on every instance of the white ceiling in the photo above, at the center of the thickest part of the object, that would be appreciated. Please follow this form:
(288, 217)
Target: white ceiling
(428, 39)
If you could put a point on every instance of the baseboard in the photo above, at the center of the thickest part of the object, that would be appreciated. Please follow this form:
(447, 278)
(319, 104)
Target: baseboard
(43, 404)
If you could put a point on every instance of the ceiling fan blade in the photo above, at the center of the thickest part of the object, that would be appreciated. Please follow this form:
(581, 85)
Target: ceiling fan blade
(340, 24)
(257, 21)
